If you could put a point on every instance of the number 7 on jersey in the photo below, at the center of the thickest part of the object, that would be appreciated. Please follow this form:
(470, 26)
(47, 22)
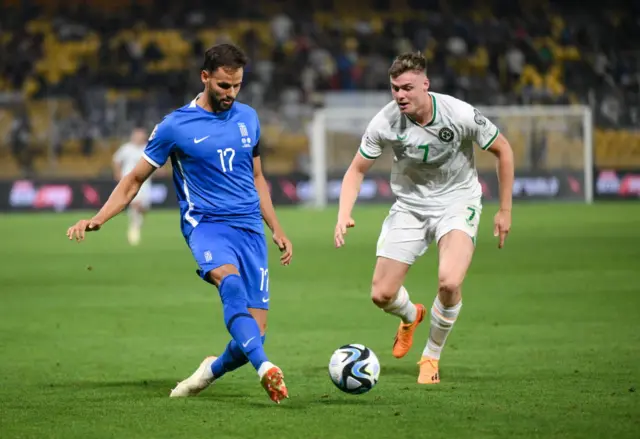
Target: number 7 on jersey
(426, 151)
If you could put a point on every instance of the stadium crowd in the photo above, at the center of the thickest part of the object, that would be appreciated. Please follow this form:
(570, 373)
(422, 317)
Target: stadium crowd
(76, 76)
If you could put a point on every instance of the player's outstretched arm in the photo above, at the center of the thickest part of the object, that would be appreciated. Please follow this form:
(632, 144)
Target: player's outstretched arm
(349, 193)
(122, 195)
(269, 213)
(502, 221)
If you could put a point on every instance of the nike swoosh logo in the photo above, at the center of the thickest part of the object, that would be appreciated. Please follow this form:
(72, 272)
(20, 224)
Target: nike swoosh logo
(401, 138)
(200, 140)
(246, 343)
(265, 299)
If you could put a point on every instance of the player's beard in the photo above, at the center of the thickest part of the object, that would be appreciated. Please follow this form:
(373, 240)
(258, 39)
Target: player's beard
(218, 104)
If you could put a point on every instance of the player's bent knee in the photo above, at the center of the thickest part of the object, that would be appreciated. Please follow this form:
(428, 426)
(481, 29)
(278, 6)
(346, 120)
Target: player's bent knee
(218, 274)
(449, 286)
(382, 294)
(388, 277)
(449, 289)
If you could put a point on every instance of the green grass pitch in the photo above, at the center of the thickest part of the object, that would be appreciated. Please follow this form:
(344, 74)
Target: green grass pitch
(94, 335)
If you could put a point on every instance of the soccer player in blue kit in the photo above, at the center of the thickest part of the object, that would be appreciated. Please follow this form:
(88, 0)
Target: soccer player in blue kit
(213, 145)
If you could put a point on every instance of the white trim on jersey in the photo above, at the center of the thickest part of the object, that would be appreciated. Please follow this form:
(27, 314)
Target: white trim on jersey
(193, 104)
(150, 160)
(491, 140)
(187, 214)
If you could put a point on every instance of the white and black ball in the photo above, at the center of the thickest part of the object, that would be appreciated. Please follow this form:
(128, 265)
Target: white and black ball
(354, 369)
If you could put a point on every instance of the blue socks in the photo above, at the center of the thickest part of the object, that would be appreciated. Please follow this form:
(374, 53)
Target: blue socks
(231, 359)
(240, 324)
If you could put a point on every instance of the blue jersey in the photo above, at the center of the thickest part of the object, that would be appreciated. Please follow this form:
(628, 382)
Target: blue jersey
(212, 157)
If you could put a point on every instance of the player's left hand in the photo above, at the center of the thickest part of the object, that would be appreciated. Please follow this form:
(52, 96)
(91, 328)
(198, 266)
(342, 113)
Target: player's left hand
(502, 225)
(285, 246)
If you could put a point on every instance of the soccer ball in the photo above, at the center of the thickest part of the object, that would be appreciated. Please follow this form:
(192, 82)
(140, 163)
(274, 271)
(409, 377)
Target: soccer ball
(354, 369)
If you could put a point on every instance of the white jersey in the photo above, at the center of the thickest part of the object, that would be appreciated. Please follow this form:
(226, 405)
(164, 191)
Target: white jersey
(127, 157)
(433, 164)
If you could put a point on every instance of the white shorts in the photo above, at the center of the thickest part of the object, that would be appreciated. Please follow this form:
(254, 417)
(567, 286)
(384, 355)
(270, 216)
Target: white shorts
(406, 235)
(143, 198)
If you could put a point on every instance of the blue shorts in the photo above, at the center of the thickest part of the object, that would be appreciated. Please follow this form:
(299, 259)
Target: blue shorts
(215, 244)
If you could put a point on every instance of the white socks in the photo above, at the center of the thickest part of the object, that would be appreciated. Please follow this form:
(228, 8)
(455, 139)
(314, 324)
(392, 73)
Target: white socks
(402, 307)
(442, 320)
(135, 225)
(264, 367)
(135, 219)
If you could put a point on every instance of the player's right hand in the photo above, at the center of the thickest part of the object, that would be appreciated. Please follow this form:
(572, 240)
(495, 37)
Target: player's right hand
(285, 246)
(341, 230)
(78, 230)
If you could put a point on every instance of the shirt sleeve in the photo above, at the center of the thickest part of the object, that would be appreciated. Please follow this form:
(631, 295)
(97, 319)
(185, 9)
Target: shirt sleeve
(160, 144)
(372, 144)
(480, 129)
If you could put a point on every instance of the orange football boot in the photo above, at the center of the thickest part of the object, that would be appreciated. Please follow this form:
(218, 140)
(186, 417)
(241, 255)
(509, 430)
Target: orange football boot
(428, 371)
(404, 337)
(273, 383)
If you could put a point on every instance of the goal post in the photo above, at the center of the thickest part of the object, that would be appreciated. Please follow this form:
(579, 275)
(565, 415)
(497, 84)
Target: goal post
(553, 150)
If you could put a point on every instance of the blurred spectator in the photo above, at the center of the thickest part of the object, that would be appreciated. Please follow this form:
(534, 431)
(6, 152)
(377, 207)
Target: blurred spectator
(124, 62)
(20, 137)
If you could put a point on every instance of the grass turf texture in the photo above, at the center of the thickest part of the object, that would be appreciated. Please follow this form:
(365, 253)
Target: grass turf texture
(547, 344)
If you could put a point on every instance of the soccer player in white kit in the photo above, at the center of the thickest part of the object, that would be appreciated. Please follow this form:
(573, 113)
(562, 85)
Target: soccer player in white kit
(124, 160)
(438, 200)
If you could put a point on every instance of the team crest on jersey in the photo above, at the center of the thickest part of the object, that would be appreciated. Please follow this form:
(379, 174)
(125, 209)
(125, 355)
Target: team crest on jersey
(446, 134)
(244, 132)
(479, 118)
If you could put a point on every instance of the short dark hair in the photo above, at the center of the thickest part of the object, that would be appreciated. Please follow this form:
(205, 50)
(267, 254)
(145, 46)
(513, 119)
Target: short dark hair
(224, 55)
(408, 62)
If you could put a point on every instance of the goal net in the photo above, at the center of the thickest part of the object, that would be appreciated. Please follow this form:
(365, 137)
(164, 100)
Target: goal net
(552, 148)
